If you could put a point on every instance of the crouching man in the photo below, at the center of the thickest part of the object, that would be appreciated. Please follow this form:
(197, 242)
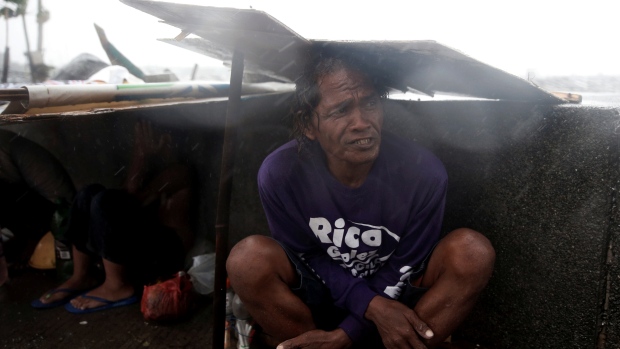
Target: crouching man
(355, 214)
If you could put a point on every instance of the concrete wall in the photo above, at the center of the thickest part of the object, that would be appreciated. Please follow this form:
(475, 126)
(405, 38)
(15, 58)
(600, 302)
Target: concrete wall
(539, 181)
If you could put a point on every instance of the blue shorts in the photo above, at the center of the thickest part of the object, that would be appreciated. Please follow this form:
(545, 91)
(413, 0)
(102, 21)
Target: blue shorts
(316, 295)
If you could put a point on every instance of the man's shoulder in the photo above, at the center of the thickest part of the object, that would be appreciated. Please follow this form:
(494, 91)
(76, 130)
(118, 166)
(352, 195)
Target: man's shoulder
(285, 151)
(279, 163)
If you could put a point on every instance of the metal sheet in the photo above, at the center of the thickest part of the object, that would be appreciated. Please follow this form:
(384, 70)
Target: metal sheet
(276, 51)
(269, 46)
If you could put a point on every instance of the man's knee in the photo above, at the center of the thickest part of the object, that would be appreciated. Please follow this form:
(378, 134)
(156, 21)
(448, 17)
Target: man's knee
(255, 259)
(470, 253)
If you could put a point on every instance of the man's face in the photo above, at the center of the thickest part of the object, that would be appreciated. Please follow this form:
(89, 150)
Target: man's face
(348, 120)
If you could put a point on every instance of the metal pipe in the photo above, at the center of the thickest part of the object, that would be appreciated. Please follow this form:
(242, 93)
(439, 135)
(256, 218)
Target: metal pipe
(223, 202)
(14, 94)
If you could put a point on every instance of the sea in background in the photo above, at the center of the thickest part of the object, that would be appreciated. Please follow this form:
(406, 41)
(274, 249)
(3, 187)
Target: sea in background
(595, 90)
(600, 99)
(592, 99)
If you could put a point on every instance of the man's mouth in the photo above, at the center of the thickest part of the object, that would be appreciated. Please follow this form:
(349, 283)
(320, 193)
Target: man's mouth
(362, 141)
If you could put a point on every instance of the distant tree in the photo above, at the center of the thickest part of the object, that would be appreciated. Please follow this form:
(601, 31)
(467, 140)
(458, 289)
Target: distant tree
(18, 9)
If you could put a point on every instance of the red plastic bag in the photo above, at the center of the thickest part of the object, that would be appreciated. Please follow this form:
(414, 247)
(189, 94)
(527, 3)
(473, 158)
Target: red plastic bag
(168, 300)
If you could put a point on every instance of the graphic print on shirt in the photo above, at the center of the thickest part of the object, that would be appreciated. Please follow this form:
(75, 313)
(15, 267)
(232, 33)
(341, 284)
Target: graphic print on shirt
(356, 247)
(395, 291)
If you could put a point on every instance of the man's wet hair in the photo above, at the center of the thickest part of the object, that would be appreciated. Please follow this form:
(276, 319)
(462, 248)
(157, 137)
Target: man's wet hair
(307, 95)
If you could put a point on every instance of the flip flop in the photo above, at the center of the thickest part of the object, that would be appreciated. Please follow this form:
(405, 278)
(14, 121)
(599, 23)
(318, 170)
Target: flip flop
(107, 304)
(71, 293)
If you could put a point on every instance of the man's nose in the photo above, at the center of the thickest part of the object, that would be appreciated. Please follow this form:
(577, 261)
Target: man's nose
(360, 119)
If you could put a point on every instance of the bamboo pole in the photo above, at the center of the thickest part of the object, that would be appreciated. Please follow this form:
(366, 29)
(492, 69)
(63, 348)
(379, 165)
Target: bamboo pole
(223, 202)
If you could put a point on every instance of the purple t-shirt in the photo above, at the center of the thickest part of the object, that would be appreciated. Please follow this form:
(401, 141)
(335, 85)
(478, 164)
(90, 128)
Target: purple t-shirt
(361, 242)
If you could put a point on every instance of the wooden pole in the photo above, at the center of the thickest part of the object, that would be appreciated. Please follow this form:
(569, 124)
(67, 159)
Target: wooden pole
(194, 71)
(223, 202)
(5, 65)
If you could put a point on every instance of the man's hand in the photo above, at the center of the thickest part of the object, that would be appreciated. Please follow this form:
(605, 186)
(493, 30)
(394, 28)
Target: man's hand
(399, 326)
(318, 339)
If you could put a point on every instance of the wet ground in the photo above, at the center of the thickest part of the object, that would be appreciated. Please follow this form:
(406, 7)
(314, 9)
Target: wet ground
(21, 326)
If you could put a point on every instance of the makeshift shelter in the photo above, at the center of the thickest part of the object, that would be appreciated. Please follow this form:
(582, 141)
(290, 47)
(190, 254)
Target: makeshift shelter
(536, 175)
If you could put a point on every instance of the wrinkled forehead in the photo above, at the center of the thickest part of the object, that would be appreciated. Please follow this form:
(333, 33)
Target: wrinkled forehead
(345, 80)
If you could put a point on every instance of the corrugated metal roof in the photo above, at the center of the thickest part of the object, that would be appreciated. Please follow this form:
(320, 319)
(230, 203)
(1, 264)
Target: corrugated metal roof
(274, 50)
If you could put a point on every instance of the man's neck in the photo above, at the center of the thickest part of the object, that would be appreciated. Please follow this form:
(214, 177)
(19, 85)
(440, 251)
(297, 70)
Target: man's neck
(352, 176)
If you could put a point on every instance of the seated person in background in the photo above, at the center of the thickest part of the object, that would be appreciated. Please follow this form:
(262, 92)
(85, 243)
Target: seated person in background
(140, 233)
(33, 184)
(356, 215)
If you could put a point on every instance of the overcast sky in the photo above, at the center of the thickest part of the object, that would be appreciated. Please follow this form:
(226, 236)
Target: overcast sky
(545, 37)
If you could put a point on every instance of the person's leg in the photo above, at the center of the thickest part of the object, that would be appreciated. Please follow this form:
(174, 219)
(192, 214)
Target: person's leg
(262, 275)
(111, 227)
(115, 287)
(80, 280)
(77, 235)
(458, 271)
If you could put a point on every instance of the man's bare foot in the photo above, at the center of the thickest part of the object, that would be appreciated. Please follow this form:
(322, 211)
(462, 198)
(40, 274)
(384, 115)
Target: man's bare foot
(318, 339)
(105, 291)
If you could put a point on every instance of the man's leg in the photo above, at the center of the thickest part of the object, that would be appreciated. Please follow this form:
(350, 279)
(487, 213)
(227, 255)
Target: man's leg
(262, 275)
(458, 271)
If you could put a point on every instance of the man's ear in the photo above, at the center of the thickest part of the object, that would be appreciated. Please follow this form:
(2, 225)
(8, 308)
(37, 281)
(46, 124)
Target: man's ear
(310, 133)
(310, 130)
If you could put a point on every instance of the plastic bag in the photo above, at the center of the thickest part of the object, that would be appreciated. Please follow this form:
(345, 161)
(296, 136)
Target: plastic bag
(202, 273)
(168, 300)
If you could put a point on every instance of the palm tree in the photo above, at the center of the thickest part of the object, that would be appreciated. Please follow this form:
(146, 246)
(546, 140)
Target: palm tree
(18, 9)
